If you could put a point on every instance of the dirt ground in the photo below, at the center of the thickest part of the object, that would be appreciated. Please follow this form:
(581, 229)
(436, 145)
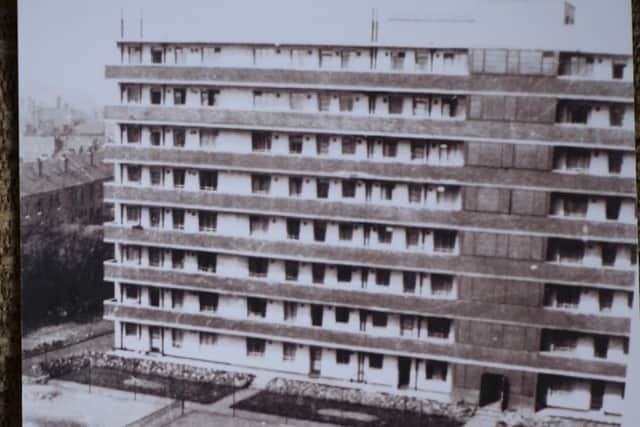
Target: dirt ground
(59, 404)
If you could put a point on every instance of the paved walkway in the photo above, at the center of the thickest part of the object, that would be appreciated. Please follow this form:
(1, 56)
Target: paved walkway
(487, 416)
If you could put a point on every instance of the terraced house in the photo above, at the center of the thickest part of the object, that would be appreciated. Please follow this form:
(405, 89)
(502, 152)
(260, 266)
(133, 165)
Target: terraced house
(456, 222)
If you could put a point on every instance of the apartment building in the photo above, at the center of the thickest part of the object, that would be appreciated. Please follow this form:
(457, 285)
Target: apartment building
(457, 223)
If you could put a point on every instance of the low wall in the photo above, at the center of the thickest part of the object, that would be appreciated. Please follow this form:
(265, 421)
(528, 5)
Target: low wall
(59, 367)
(461, 411)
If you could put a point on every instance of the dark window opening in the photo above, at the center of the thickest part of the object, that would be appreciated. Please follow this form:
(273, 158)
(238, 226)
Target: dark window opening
(295, 186)
(156, 96)
(616, 115)
(295, 144)
(379, 320)
(613, 208)
(383, 277)
(438, 328)
(256, 307)
(156, 56)
(291, 269)
(208, 180)
(319, 231)
(260, 142)
(293, 228)
(375, 361)
(260, 183)
(343, 357)
(207, 262)
(179, 138)
(349, 188)
(208, 301)
(618, 70)
(316, 315)
(615, 161)
(258, 267)
(345, 232)
(348, 145)
(179, 96)
(255, 347)
(178, 219)
(605, 299)
(342, 315)
(344, 273)
(609, 254)
(409, 281)
(317, 273)
(322, 189)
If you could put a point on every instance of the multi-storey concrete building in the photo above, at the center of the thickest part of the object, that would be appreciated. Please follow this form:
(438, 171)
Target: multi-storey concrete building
(457, 223)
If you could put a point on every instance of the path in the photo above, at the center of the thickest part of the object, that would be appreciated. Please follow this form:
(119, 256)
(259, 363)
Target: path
(487, 416)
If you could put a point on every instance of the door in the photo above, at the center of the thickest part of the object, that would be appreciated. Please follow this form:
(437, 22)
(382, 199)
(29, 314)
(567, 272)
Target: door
(404, 372)
(597, 393)
(494, 388)
(154, 297)
(315, 360)
(316, 315)
(156, 339)
(360, 376)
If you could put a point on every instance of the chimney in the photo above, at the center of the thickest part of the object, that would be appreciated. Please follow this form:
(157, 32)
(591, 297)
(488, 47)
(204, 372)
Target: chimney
(39, 167)
(66, 164)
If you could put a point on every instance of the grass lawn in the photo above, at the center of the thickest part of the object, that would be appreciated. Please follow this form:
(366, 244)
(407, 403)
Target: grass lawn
(150, 384)
(329, 411)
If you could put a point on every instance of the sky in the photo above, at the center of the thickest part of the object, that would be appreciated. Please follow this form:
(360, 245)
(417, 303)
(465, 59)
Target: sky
(64, 45)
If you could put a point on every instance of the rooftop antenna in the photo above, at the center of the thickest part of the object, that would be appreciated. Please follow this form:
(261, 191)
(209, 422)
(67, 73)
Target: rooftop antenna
(122, 23)
(376, 25)
(141, 24)
(373, 24)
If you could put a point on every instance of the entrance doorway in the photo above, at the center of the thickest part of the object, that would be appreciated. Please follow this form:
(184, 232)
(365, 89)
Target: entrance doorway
(597, 395)
(360, 377)
(315, 360)
(494, 388)
(404, 372)
(156, 339)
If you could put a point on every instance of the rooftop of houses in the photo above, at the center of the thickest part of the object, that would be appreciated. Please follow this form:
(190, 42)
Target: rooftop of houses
(46, 175)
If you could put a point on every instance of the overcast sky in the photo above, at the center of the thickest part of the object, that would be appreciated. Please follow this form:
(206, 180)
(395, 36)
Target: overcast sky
(65, 44)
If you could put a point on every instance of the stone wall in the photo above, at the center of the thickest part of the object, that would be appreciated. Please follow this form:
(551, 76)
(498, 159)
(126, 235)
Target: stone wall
(460, 411)
(59, 367)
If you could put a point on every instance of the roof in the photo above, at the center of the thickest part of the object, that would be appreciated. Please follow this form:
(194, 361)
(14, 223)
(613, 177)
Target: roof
(33, 147)
(519, 24)
(80, 171)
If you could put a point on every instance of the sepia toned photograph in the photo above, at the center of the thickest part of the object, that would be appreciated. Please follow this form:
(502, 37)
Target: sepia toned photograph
(292, 212)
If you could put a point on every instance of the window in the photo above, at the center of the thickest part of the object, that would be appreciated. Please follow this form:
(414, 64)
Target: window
(179, 96)
(605, 299)
(295, 144)
(208, 138)
(260, 142)
(290, 310)
(288, 351)
(436, 370)
(255, 347)
(208, 301)
(348, 145)
(577, 159)
(156, 55)
(156, 138)
(208, 339)
(133, 214)
(615, 162)
(156, 176)
(384, 234)
(256, 307)
(576, 113)
(389, 149)
(324, 101)
(342, 315)
(618, 70)
(131, 292)
(258, 267)
(134, 94)
(132, 254)
(178, 219)
(291, 269)
(208, 180)
(179, 138)
(345, 232)
(177, 259)
(322, 144)
(575, 205)
(616, 115)
(613, 208)
(409, 282)
(444, 241)
(438, 328)
(178, 178)
(207, 262)
(609, 252)
(258, 224)
(131, 329)
(415, 193)
(348, 188)
(319, 230)
(156, 257)
(177, 298)
(293, 228)
(395, 104)
(317, 273)
(343, 357)
(378, 319)
(134, 173)
(382, 277)
(375, 361)
(441, 284)
(344, 273)
(346, 102)
(156, 96)
(295, 186)
(208, 97)
(566, 251)
(417, 150)
(386, 190)
(322, 189)
(207, 221)
(260, 184)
